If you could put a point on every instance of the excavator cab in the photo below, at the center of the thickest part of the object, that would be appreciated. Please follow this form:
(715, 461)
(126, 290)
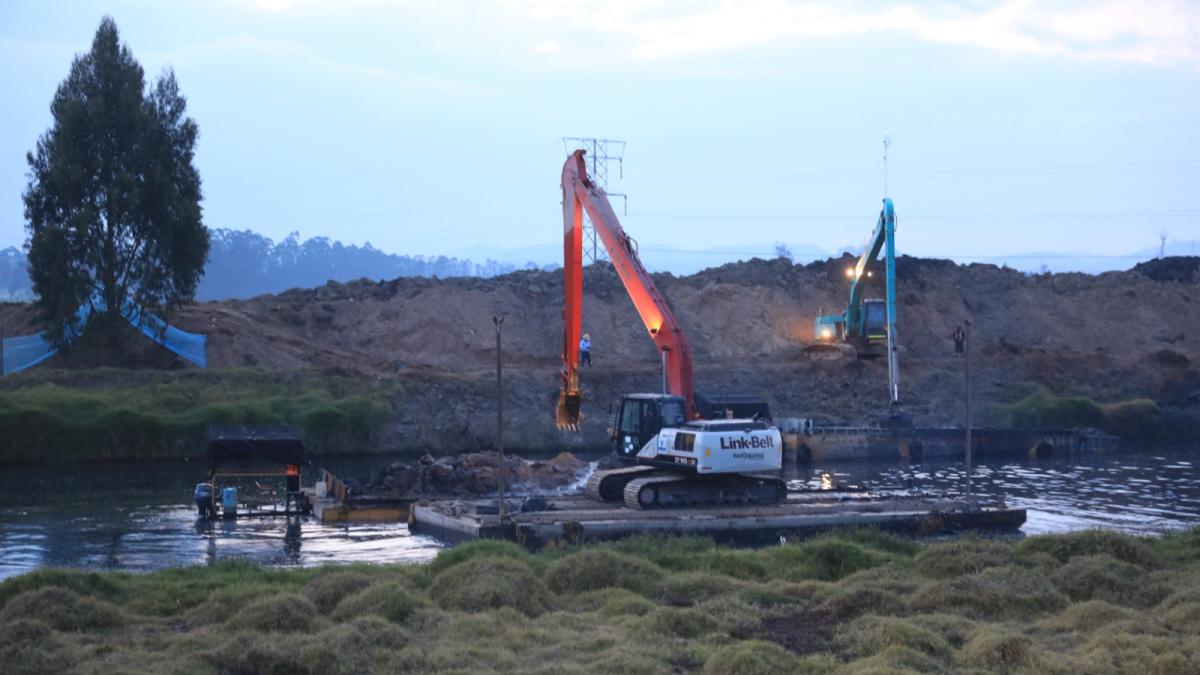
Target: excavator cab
(874, 318)
(639, 419)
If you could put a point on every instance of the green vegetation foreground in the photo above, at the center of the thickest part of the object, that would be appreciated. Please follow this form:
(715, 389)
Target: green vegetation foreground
(854, 602)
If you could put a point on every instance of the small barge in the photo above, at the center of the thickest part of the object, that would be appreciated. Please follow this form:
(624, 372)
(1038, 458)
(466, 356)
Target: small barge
(335, 502)
(538, 521)
(250, 456)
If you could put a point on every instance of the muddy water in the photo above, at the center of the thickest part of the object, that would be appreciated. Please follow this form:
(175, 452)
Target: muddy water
(138, 517)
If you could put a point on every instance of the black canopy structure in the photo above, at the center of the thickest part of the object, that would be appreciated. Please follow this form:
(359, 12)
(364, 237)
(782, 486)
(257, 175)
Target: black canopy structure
(259, 450)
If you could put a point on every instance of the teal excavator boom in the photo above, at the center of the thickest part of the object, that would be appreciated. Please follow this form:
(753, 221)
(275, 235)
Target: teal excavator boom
(868, 322)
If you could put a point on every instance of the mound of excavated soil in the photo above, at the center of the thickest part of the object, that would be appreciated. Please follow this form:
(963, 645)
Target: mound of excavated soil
(1111, 336)
(475, 475)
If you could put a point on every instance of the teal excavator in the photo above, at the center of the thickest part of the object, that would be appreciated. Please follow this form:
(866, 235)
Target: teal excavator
(867, 325)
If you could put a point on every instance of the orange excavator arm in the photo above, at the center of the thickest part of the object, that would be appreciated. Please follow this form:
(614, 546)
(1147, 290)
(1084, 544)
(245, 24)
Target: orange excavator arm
(579, 193)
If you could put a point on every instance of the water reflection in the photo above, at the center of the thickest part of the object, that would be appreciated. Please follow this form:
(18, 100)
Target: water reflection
(139, 517)
(1137, 493)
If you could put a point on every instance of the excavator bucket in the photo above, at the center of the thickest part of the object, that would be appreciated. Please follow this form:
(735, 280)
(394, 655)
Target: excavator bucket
(567, 413)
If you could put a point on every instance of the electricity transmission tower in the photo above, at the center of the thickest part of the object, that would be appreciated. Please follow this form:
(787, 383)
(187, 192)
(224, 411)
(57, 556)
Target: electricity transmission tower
(599, 152)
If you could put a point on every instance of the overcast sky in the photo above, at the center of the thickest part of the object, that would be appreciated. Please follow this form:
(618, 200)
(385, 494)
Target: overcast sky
(436, 127)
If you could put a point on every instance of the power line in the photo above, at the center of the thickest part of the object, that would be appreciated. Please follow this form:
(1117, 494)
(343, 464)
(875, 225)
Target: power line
(959, 256)
(602, 150)
(997, 172)
(1064, 215)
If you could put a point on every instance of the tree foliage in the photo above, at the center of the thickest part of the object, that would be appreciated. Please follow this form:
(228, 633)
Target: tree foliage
(112, 207)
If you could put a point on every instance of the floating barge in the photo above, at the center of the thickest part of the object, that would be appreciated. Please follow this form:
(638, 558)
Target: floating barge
(573, 519)
(334, 502)
(806, 443)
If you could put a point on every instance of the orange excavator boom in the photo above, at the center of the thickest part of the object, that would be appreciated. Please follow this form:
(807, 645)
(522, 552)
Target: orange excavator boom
(580, 193)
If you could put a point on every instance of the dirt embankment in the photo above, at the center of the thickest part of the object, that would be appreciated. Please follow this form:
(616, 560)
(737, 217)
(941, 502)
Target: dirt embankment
(1110, 337)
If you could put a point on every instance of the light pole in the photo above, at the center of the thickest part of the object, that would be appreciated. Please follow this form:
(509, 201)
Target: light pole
(967, 359)
(501, 470)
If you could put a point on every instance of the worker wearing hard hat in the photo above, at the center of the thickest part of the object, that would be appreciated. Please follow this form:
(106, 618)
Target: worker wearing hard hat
(585, 350)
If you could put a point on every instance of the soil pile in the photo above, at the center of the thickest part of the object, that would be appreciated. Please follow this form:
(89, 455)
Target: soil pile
(476, 475)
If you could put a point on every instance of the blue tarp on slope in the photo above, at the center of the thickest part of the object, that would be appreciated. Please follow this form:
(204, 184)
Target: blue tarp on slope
(29, 350)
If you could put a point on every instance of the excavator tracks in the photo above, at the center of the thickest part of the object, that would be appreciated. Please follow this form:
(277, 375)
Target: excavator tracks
(609, 485)
(666, 491)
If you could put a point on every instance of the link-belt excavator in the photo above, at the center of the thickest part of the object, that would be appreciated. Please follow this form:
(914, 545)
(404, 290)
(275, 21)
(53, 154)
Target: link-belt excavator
(684, 450)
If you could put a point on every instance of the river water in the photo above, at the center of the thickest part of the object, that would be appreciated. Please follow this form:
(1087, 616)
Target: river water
(139, 517)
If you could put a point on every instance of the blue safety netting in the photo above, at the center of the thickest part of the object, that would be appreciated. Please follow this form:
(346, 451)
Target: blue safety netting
(29, 350)
(25, 351)
(188, 346)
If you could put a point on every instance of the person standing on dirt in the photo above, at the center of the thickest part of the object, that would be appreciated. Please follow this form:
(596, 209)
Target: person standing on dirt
(960, 337)
(585, 350)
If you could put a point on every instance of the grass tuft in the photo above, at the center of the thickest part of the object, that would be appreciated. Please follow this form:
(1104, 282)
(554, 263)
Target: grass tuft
(962, 556)
(63, 610)
(679, 622)
(996, 593)
(955, 629)
(688, 588)
(895, 660)
(998, 651)
(490, 583)
(1090, 616)
(223, 603)
(592, 569)
(1063, 547)
(93, 584)
(752, 657)
(857, 601)
(872, 634)
(260, 654)
(826, 558)
(620, 602)
(481, 548)
(327, 590)
(1125, 653)
(29, 647)
(364, 644)
(1183, 618)
(1179, 547)
(1103, 577)
(388, 600)
(285, 613)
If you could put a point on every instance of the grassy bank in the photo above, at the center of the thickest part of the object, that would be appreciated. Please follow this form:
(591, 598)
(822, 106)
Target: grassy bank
(857, 602)
(1136, 419)
(142, 414)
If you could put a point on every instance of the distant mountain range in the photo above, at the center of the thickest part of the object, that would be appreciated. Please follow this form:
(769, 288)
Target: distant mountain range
(243, 264)
(660, 258)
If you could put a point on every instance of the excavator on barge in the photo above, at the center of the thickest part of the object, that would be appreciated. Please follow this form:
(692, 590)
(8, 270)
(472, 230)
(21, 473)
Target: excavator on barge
(682, 448)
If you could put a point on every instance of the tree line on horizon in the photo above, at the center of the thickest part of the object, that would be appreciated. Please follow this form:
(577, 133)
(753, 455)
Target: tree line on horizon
(242, 264)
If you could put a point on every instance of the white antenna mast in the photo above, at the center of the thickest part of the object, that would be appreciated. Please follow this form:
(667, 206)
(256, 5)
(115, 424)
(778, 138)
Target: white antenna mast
(887, 143)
